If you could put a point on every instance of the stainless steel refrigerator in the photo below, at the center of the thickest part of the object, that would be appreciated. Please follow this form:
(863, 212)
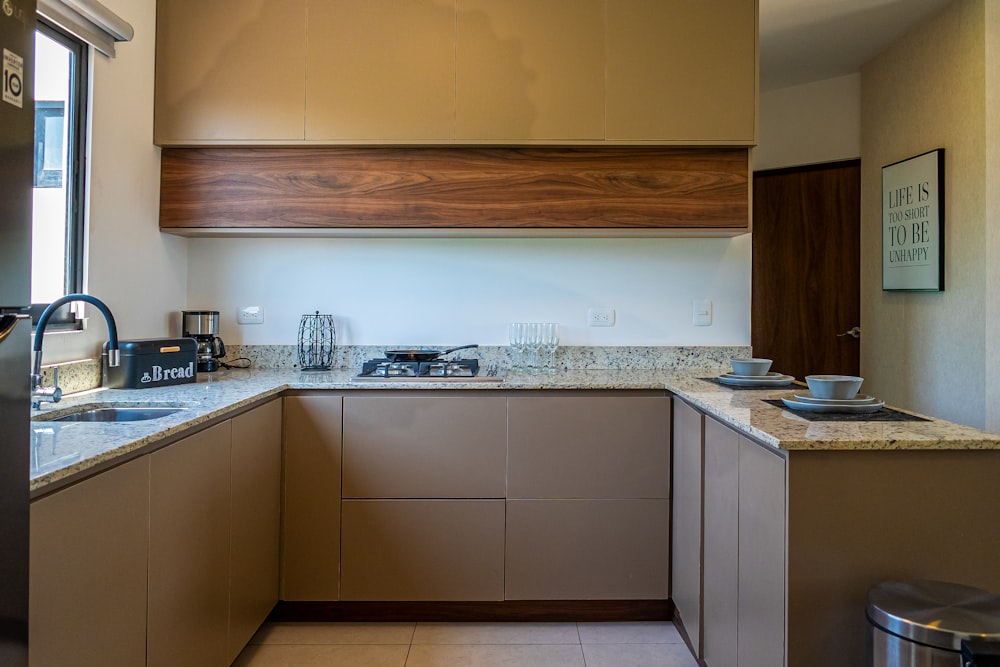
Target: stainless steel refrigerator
(17, 119)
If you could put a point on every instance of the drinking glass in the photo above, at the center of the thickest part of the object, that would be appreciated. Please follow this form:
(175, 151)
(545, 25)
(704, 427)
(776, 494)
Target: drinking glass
(532, 345)
(517, 345)
(549, 344)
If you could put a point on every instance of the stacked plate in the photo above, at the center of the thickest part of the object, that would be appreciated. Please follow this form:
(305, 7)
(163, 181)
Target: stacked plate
(833, 393)
(804, 400)
(754, 373)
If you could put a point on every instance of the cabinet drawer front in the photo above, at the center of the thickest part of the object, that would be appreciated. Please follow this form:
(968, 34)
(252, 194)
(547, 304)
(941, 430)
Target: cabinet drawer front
(589, 447)
(587, 549)
(424, 446)
(423, 550)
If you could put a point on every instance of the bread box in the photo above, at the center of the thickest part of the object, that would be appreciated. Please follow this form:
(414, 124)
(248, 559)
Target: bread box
(151, 362)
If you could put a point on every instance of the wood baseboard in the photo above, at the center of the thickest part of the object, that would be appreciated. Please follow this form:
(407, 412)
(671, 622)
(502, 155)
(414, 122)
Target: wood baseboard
(504, 611)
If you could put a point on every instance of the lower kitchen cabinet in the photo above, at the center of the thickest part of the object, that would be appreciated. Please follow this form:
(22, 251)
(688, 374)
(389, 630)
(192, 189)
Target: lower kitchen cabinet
(189, 518)
(88, 571)
(761, 608)
(423, 496)
(744, 551)
(588, 487)
(256, 522)
(310, 563)
(588, 549)
(423, 550)
(686, 519)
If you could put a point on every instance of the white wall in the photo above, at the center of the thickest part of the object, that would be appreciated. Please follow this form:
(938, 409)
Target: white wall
(455, 291)
(140, 273)
(809, 124)
(927, 351)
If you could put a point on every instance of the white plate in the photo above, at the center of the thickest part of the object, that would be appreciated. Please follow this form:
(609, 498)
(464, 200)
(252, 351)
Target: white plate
(757, 381)
(815, 407)
(770, 376)
(860, 399)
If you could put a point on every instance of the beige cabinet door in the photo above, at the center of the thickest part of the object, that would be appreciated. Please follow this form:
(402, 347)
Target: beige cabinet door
(256, 521)
(762, 549)
(229, 71)
(380, 70)
(682, 71)
(88, 571)
(685, 566)
(721, 545)
(423, 550)
(189, 496)
(604, 445)
(588, 549)
(427, 446)
(310, 563)
(530, 70)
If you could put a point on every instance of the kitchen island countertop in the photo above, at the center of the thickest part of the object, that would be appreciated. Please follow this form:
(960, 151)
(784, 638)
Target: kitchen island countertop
(63, 452)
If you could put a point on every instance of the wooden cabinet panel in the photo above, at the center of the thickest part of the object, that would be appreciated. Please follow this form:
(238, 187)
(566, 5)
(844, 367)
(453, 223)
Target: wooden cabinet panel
(721, 545)
(601, 446)
(256, 521)
(229, 71)
(588, 549)
(762, 544)
(88, 571)
(602, 189)
(189, 502)
(380, 70)
(530, 69)
(686, 520)
(423, 549)
(311, 520)
(682, 71)
(424, 446)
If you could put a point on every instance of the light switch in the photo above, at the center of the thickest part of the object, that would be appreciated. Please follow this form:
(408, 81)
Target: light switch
(702, 313)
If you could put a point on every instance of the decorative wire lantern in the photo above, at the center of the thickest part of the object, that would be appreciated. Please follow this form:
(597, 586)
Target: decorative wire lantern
(317, 338)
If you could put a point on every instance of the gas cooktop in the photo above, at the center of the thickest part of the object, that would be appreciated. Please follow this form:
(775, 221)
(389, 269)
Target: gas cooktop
(458, 370)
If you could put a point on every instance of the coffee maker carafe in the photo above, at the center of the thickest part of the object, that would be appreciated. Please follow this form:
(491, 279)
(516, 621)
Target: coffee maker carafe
(203, 326)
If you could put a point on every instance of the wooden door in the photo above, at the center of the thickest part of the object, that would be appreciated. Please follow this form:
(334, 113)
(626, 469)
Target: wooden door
(806, 268)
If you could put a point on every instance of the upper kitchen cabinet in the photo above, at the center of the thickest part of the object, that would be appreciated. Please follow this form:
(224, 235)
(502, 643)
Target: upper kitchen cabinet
(530, 70)
(229, 71)
(682, 72)
(380, 70)
(417, 72)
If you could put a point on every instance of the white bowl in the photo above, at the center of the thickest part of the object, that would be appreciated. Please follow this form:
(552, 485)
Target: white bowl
(750, 366)
(834, 386)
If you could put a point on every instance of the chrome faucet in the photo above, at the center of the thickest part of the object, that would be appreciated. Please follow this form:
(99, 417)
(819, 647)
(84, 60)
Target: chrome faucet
(40, 394)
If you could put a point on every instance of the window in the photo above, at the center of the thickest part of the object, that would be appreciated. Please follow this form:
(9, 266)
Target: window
(57, 217)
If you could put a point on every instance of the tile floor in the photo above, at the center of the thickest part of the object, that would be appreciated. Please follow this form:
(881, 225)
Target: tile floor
(466, 644)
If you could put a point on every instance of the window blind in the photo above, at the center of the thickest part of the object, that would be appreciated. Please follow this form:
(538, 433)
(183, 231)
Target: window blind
(88, 20)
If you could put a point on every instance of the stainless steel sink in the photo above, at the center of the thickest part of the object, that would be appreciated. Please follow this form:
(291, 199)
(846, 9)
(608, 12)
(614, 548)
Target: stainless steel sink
(114, 414)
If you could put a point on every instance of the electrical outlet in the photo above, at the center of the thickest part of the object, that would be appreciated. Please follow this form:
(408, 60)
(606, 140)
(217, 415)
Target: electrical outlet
(601, 317)
(249, 315)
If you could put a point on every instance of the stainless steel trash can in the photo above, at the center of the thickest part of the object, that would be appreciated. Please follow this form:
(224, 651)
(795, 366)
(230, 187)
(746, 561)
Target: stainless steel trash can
(923, 623)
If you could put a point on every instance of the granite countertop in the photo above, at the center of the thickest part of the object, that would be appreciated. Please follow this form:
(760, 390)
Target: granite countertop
(66, 451)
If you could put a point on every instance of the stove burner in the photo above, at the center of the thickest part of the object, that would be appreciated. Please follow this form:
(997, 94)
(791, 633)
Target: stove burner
(384, 368)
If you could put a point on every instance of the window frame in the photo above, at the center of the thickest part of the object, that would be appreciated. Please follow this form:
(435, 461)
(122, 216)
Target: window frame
(75, 177)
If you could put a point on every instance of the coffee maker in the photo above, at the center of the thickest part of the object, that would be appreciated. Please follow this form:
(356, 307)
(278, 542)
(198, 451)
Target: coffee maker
(203, 326)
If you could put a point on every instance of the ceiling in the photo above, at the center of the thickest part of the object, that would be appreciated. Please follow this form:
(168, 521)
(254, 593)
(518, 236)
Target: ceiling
(812, 40)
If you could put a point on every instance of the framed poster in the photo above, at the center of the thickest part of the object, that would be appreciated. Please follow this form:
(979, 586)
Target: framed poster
(913, 224)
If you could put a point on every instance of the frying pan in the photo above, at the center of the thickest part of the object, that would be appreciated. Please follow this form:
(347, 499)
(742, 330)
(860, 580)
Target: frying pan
(421, 355)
